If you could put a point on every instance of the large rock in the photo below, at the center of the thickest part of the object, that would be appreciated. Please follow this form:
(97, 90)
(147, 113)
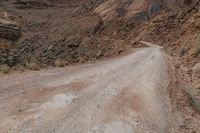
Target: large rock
(9, 30)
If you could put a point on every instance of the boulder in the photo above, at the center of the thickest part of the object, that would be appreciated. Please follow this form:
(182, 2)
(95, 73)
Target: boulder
(9, 30)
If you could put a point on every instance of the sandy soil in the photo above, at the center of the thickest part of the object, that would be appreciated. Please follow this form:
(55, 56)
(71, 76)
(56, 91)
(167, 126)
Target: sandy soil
(122, 95)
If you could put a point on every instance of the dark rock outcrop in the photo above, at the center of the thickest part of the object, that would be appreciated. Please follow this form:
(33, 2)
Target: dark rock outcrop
(9, 30)
(31, 3)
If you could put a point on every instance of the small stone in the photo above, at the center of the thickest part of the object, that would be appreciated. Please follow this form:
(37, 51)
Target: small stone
(50, 47)
(99, 54)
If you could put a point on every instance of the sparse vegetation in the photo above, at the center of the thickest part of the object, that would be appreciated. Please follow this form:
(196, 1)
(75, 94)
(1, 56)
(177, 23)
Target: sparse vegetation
(33, 66)
(59, 63)
(5, 69)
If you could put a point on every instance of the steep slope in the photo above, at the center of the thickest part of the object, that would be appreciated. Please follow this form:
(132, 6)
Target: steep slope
(79, 31)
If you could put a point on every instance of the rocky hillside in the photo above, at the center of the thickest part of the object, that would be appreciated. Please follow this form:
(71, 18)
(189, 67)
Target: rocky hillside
(82, 31)
(43, 31)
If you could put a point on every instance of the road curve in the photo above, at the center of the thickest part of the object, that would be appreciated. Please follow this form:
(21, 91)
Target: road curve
(122, 95)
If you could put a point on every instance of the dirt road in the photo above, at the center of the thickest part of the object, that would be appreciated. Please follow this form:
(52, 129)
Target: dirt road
(123, 95)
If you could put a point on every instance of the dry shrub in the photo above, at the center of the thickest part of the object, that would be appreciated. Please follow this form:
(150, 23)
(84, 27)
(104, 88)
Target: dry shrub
(59, 63)
(5, 69)
(33, 66)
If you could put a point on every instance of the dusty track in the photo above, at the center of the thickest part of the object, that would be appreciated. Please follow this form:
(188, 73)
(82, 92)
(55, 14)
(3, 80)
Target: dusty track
(122, 95)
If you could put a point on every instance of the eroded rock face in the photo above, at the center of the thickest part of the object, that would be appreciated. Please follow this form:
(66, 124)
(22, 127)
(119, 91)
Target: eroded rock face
(142, 8)
(31, 3)
(9, 30)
